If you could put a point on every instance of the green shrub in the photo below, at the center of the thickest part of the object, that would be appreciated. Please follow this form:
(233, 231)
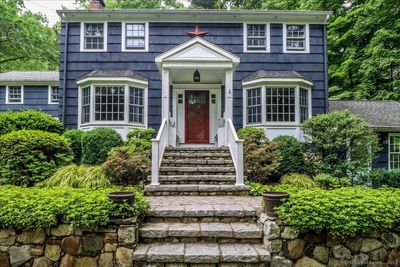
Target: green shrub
(30, 156)
(139, 133)
(342, 212)
(382, 177)
(291, 153)
(328, 182)
(96, 145)
(29, 120)
(257, 189)
(260, 155)
(75, 139)
(24, 208)
(78, 177)
(128, 165)
(297, 180)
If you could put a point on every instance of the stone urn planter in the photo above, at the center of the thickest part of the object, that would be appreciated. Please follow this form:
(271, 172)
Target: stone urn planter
(273, 200)
(122, 197)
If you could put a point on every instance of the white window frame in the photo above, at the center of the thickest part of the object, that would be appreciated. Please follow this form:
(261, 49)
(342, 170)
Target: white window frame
(50, 101)
(267, 36)
(389, 153)
(105, 36)
(146, 36)
(307, 39)
(7, 95)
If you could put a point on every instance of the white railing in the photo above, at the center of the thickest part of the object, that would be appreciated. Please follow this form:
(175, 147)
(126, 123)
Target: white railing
(157, 150)
(236, 147)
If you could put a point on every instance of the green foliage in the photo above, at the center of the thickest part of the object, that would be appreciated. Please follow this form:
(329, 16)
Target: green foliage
(96, 145)
(342, 212)
(78, 177)
(75, 139)
(300, 181)
(24, 208)
(328, 182)
(30, 156)
(260, 155)
(26, 42)
(141, 138)
(257, 189)
(382, 177)
(118, 4)
(345, 142)
(29, 120)
(291, 153)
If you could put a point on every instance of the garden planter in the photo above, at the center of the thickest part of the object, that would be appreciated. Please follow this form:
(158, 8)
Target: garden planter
(122, 197)
(273, 200)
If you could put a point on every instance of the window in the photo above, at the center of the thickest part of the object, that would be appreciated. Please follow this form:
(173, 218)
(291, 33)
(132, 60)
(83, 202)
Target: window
(254, 105)
(256, 37)
(94, 36)
(86, 105)
(15, 95)
(303, 105)
(296, 36)
(280, 104)
(134, 36)
(136, 105)
(394, 151)
(54, 95)
(109, 103)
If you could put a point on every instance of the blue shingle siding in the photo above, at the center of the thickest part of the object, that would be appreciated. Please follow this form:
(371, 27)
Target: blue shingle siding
(35, 97)
(164, 36)
(382, 159)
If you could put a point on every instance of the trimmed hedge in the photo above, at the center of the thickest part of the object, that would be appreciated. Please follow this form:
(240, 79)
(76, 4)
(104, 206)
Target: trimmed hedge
(382, 177)
(75, 139)
(292, 156)
(24, 208)
(30, 156)
(29, 120)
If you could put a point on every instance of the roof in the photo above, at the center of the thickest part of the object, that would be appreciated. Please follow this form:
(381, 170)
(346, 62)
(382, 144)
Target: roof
(30, 76)
(378, 114)
(195, 15)
(113, 73)
(279, 74)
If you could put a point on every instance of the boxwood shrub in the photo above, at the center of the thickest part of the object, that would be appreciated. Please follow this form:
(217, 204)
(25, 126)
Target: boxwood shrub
(29, 120)
(75, 139)
(24, 208)
(30, 156)
(291, 152)
(96, 145)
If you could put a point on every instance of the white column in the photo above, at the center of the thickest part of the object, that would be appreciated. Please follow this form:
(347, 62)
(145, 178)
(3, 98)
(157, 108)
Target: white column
(165, 94)
(229, 95)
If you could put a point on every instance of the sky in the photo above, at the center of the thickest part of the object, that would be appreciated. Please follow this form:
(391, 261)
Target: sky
(49, 7)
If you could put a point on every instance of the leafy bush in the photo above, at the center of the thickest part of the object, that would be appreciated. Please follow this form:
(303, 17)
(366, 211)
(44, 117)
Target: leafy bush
(30, 156)
(29, 120)
(328, 182)
(24, 208)
(297, 180)
(139, 133)
(382, 177)
(342, 212)
(75, 139)
(96, 145)
(78, 177)
(342, 140)
(260, 155)
(128, 165)
(291, 153)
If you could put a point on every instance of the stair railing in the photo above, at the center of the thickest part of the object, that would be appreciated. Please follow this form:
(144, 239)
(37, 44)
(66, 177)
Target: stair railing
(157, 150)
(236, 148)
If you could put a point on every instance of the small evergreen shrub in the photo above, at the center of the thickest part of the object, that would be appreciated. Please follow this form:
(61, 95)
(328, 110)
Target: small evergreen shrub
(31, 156)
(96, 145)
(78, 177)
(297, 180)
(29, 120)
(141, 138)
(75, 139)
(291, 153)
(382, 177)
(328, 182)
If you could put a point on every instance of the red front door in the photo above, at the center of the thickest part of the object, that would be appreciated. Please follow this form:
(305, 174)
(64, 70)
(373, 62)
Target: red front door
(197, 117)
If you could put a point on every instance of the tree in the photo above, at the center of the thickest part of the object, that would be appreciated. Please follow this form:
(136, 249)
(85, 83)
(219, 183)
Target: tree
(26, 42)
(117, 4)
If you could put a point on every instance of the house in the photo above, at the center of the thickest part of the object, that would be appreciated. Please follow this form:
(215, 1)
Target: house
(384, 118)
(20, 90)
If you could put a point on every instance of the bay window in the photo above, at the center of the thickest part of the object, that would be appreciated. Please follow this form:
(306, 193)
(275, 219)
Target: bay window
(394, 151)
(109, 103)
(136, 105)
(254, 105)
(280, 104)
(86, 105)
(303, 104)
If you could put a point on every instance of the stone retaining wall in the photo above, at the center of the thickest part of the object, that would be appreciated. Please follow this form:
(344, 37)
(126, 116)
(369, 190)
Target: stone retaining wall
(289, 248)
(68, 246)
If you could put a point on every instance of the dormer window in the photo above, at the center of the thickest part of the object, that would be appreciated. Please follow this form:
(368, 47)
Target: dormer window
(134, 37)
(256, 37)
(94, 36)
(296, 38)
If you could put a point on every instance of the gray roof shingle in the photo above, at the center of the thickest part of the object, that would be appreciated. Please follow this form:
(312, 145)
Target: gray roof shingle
(113, 73)
(30, 76)
(378, 113)
(285, 74)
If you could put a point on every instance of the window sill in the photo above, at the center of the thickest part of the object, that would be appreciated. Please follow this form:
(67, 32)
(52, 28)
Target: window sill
(111, 123)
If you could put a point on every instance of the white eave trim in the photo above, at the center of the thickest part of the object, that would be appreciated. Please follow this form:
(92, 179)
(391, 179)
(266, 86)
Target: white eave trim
(112, 80)
(277, 80)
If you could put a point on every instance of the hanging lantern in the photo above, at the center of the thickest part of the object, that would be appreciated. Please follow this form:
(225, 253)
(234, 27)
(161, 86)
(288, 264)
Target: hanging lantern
(196, 76)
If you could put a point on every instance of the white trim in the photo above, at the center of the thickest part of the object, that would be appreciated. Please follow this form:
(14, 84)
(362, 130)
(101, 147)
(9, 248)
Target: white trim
(123, 38)
(389, 153)
(105, 36)
(283, 81)
(50, 102)
(307, 38)
(113, 80)
(267, 36)
(7, 95)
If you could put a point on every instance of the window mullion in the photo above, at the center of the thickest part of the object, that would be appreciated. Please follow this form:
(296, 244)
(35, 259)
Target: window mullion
(297, 104)
(126, 107)
(92, 103)
(263, 105)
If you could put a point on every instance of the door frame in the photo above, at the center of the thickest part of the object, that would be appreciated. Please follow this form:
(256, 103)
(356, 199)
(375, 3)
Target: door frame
(207, 141)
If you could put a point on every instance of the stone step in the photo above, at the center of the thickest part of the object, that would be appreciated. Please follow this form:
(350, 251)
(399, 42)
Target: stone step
(201, 253)
(197, 162)
(228, 232)
(196, 155)
(195, 190)
(196, 170)
(197, 149)
(197, 179)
